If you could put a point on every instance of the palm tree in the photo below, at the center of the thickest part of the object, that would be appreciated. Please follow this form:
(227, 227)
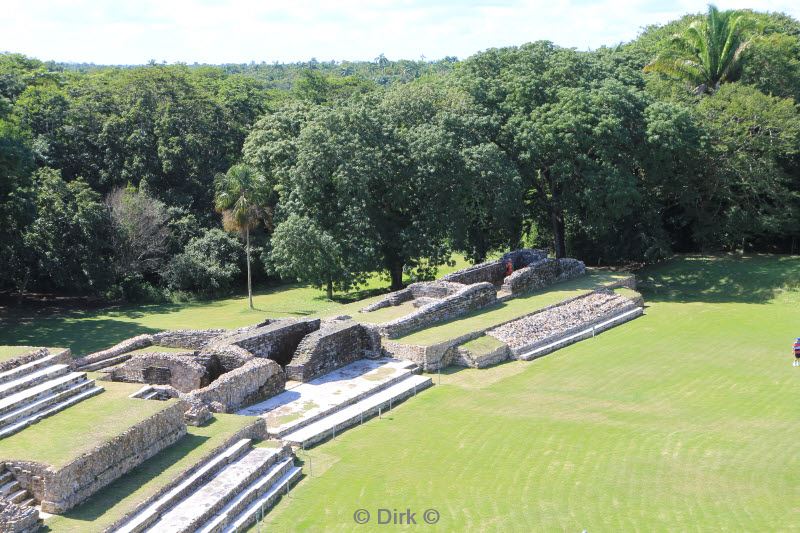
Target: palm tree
(708, 52)
(240, 195)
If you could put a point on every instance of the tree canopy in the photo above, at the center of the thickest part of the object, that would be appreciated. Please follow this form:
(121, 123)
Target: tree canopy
(115, 181)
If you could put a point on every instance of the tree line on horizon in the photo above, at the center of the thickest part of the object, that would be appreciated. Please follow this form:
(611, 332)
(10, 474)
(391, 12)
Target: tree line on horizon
(171, 181)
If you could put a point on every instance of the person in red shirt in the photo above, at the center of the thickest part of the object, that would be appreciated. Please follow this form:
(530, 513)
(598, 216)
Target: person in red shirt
(509, 268)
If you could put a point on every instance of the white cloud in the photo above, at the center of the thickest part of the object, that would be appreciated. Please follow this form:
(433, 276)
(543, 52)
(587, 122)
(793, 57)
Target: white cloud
(215, 31)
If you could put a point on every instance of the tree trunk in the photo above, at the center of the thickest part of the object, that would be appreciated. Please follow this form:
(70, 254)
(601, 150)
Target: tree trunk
(330, 290)
(557, 219)
(249, 279)
(396, 271)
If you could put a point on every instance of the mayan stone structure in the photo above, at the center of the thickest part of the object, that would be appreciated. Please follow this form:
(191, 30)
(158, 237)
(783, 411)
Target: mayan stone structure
(464, 299)
(254, 381)
(494, 272)
(61, 489)
(562, 320)
(18, 519)
(543, 273)
(183, 372)
(336, 344)
(276, 340)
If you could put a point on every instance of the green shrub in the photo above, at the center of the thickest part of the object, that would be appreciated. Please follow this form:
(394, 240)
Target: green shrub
(208, 266)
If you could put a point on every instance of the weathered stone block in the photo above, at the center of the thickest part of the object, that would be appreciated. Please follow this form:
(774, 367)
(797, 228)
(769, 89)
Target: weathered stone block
(466, 299)
(252, 382)
(543, 273)
(336, 344)
(276, 341)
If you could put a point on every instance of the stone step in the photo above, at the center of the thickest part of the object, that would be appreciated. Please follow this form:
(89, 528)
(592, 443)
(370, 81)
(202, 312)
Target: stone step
(199, 506)
(9, 487)
(22, 370)
(263, 504)
(254, 491)
(292, 427)
(53, 409)
(316, 391)
(5, 477)
(19, 496)
(40, 390)
(30, 502)
(32, 407)
(28, 380)
(111, 361)
(559, 341)
(353, 414)
(152, 511)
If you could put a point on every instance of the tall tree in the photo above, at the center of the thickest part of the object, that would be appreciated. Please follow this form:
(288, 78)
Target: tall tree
(708, 52)
(570, 128)
(240, 195)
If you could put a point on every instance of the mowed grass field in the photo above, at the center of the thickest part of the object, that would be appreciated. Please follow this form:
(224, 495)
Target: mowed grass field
(686, 419)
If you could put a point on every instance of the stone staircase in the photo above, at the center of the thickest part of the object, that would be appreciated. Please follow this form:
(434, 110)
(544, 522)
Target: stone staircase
(227, 493)
(310, 412)
(33, 391)
(12, 491)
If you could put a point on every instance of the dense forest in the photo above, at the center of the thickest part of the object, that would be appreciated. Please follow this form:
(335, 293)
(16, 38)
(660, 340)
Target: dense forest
(171, 181)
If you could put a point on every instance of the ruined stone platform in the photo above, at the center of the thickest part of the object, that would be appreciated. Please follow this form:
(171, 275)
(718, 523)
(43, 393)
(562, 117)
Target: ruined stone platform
(313, 401)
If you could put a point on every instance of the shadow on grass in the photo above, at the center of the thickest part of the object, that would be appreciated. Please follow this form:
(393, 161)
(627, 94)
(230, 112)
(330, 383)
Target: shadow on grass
(81, 336)
(105, 499)
(720, 278)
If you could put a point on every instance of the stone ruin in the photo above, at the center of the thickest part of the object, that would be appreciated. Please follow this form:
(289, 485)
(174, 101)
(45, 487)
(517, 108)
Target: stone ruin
(224, 370)
(473, 288)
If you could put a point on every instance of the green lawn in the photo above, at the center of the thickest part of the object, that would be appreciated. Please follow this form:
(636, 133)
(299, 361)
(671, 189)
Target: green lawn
(86, 331)
(8, 352)
(58, 439)
(482, 345)
(685, 419)
(123, 495)
(509, 310)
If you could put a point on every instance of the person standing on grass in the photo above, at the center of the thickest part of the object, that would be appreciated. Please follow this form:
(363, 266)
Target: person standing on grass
(796, 352)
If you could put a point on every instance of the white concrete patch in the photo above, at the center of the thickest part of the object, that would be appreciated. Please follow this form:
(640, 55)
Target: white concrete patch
(310, 401)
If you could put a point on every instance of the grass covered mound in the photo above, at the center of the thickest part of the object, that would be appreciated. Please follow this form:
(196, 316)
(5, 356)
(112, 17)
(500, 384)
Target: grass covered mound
(126, 493)
(9, 352)
(58, 439)
(684, 419)
(482, 345)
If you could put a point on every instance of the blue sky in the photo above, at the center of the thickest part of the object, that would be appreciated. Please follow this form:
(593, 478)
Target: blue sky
(217, 31)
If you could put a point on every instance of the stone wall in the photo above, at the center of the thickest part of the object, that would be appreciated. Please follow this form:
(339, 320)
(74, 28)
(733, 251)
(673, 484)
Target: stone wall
(524, 257)
(276, 341)
(18, 519)
(391, 299)
(193, 339)
(62, 489)
(429, 358)
(543, 327)
(252, 382)
(543, 273)
(181, 371)
(128, 345)
(468, 298)
(63, 356)
(491, 272)
(435, 289)
(336, 344)
(468, 358)
(256, 431)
